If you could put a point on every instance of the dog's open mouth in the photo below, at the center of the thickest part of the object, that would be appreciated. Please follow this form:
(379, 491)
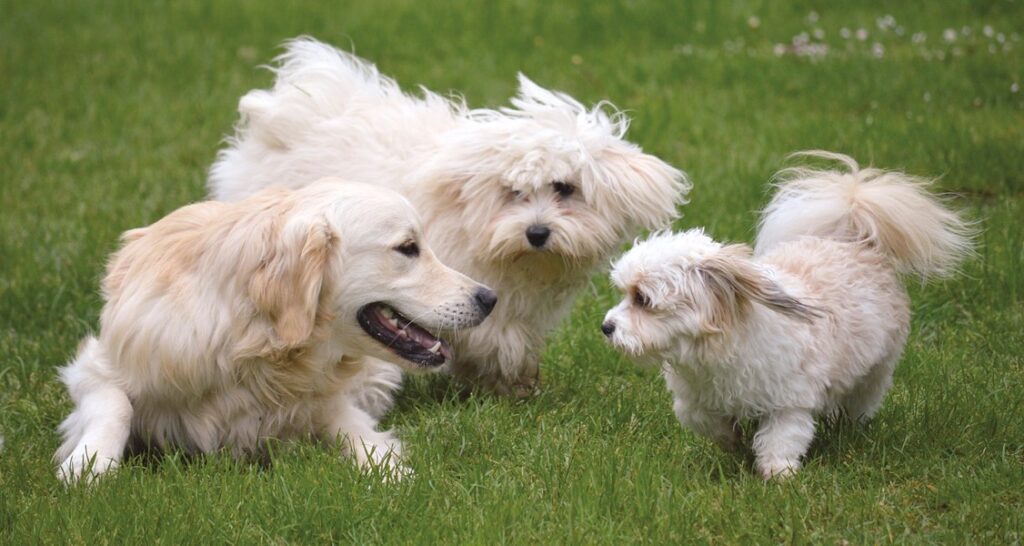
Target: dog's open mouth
(404, 337)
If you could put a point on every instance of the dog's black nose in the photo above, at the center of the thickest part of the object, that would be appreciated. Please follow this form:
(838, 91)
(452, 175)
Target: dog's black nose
(537, 235)
(608, 328)
(485, 299)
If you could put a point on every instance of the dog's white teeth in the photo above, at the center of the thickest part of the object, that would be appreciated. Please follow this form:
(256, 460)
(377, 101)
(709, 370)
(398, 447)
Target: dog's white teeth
(403, 333)
(394, 322)
(388, 313)
(435, 348)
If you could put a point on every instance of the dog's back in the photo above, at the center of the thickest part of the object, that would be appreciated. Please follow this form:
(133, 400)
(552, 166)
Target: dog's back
(845, 239)
(329, 113)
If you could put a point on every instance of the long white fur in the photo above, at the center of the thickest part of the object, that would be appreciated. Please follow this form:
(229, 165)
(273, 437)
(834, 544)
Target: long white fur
(813, 323)
(480, 177)
(226, 324)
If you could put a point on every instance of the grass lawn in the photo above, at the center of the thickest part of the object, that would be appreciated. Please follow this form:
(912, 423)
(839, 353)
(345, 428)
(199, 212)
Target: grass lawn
(110, 115)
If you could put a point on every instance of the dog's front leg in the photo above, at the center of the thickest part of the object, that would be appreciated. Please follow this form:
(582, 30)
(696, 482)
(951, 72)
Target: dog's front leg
(720, 429)
(781, 441)
(503, 361)
(519, 364)
(96, 433)
(356, 429)
(102, 420)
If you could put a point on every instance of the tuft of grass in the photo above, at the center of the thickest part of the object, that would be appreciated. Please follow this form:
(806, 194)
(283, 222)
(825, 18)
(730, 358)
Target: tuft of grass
(111, 112)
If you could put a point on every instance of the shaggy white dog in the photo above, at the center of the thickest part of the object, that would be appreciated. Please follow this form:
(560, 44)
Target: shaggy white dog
(229, 323)
(813, 323)
(527, 199)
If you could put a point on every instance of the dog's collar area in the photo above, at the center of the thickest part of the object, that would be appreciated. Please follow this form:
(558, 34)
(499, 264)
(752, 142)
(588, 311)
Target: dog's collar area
(402, 336)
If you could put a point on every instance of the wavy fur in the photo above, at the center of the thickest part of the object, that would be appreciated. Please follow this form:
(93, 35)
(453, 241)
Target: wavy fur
(812, 323)
(227, 324)
(480, 177)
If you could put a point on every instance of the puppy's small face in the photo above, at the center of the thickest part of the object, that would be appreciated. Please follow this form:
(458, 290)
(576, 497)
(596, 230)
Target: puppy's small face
(681, 289)
(666, 304)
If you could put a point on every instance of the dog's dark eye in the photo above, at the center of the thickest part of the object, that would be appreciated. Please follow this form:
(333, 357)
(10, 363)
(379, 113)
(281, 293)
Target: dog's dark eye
(409, 248)
(515, 194)
(563, 189)
(640, 300)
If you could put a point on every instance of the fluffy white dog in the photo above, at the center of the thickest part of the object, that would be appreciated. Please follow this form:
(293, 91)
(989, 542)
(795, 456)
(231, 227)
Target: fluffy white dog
(813, 323)
(527, 199)
(229, 323)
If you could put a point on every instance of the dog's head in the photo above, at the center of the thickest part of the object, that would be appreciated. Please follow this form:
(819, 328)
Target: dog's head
(346, 263)
(550, 178)
(684, 288)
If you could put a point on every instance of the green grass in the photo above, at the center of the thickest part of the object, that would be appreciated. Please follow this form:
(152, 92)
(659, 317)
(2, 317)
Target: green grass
(111, 112)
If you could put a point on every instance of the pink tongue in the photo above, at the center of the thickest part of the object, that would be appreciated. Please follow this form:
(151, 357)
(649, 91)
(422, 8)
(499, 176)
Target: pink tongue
(417, 334)
(421, 337)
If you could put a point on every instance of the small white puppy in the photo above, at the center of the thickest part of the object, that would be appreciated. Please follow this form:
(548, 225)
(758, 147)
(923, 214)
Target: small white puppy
(527, 199)
(226, 324)
(813, 323)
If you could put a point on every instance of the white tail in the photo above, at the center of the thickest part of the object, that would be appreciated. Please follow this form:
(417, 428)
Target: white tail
(890, 211)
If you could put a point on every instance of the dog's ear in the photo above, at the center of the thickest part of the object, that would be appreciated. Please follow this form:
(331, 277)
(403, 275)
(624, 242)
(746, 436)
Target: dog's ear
(287, 283)
(733, 279)
(643, 187)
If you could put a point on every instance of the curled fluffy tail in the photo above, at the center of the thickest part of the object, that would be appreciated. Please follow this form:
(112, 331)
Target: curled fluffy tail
(890, 211)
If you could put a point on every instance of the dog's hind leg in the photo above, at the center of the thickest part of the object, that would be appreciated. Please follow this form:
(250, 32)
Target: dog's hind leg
(781, 441)
(864, 401)
(96, 432)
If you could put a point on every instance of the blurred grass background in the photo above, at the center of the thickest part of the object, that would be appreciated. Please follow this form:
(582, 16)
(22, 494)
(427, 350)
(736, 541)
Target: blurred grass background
(112, 111)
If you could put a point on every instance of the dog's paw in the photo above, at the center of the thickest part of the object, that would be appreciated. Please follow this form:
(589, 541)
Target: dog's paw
(729, 438)
(778, 469)
(729, 443)
(520, 391)
(389, 470)
(384, 459)
(396, 473)
(84, 467)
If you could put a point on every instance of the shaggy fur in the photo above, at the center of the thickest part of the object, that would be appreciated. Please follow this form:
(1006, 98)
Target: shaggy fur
(229, 323)
(481, 178)
(813, 323)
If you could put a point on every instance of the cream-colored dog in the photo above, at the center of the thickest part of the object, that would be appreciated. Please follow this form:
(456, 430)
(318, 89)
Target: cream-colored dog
(226, 324)
(814, 322)
(528, 199)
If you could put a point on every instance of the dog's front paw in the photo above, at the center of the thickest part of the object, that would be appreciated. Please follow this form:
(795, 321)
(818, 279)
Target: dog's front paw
(384, 459)
(729, 437)
(82, 466)
(525, 390)
(521, 388)
(778, 469)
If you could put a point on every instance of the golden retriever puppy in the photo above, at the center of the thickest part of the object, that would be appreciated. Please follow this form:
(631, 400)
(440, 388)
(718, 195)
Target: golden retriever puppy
(226, 324)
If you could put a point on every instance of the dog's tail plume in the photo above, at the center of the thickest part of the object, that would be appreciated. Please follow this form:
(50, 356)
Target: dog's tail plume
(887, 210)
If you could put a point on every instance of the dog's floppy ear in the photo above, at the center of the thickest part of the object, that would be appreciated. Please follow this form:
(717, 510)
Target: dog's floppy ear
(733, 278)
(642, 187)
(287, 283)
